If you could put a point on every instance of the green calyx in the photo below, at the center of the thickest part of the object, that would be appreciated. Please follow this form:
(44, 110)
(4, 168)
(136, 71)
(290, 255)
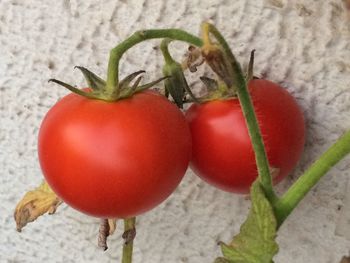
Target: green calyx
(225, 68)
(126, 88)
(176, 85)
(225, 87)
(216, 90)
(220, 89)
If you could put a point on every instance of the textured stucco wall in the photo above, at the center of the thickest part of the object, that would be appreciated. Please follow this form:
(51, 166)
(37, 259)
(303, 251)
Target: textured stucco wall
(303, 45)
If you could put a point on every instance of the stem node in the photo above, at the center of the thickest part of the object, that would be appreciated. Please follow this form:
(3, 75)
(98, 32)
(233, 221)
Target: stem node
(129, 236)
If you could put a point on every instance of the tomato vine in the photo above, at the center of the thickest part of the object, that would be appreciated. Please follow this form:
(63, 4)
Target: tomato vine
(221, 59)
(268, 211)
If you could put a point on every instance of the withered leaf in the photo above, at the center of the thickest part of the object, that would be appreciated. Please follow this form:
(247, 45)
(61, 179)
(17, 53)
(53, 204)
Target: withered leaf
(34, 204)
(345, 260)
(347, 4)
(112, 225)
(107, 228)
(193, 59)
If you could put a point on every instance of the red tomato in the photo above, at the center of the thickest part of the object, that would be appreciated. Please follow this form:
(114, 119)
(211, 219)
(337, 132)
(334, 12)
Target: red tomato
(222, 153)
(114, 159)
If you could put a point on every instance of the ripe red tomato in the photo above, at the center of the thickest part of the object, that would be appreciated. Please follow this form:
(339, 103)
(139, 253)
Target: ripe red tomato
(222, 152)
(114, 159)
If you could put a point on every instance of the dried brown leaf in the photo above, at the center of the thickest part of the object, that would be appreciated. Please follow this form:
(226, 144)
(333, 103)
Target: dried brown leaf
(347, 4)
(107, 228)
(345, 260)
(34, 204)
(112, 225)
(193, 59)
(276, 3)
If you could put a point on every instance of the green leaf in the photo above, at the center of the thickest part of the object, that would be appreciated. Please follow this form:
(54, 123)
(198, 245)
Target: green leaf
(124, 83)
(222, 260)
(93, 81)
(75, 90)
(256, 241)
(125, 93)
(149, 85)
(129, 91)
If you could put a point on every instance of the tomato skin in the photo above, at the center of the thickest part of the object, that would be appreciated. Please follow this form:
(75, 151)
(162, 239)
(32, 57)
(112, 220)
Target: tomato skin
(222, 153)
(114, 159)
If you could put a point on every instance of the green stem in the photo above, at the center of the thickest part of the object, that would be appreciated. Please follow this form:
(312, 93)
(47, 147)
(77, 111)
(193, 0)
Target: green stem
(303, 185)
(249, 114)
(250, 73)
(139, 36)
(177, 79)
(129, 234)
(165, 51)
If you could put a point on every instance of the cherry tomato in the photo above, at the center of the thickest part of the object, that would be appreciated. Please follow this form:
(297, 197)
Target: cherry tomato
(114, 159)
(222, 153)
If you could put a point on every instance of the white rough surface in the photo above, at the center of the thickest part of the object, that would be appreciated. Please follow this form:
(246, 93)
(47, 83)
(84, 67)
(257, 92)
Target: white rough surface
(303, 45)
